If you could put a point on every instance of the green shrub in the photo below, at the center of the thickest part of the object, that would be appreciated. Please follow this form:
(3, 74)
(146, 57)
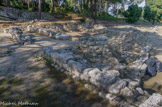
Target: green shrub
(133, 14)
(149, 14)
(46, 7)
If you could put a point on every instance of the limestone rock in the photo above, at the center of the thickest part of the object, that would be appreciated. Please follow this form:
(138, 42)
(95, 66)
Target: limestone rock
(133, 84)
(117, 86)
(151, 71)
(63, 37)
(159, 66)
(151, 62)
(75, 66)
(113, 72)
(140, 91)
(102, 94)
(154, 100)
(126, 92)
(6, 30)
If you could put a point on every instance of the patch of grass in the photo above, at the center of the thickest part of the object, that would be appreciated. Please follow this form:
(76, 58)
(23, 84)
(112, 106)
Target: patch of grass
(47, 62)
(15, 81)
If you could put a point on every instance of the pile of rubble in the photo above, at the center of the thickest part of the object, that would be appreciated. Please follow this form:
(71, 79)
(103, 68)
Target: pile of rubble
(49, 32)
(17, 35)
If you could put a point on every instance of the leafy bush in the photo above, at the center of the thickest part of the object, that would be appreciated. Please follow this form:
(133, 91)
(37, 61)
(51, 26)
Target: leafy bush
(155, 5)
(46, 7)
(149, 14)
(133, 13)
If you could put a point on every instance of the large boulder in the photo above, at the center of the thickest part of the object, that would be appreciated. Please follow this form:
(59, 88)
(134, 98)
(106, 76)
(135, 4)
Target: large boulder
(153, 101)
(151, 69)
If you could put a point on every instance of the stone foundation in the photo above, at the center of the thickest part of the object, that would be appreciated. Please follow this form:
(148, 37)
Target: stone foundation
(48, 32)
(17, 35)
(113, 68)
(107, 84)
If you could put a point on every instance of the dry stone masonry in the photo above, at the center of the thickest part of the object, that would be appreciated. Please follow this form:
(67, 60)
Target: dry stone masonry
(112, 67)
(107, 82)
(49, 32)
(18, 36)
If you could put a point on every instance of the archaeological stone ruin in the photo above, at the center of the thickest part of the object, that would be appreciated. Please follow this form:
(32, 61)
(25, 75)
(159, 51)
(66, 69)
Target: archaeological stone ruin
(112, 64)
(18, 36)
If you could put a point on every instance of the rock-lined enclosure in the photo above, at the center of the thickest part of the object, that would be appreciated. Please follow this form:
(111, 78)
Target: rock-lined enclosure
(111, 66)
(100, 64)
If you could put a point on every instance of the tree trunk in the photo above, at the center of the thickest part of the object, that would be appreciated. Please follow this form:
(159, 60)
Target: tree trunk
(117, 10)
(88, 3)
(39, 9)
(153, 21)
(81, 5)
(91, 8)
(43, 2)
(53, 6)
(33, 5)
(28, 2)
(8, 3)
(100, 7)
(95, 10)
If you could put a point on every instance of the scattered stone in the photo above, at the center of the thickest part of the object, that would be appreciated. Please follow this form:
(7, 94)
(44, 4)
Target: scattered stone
(102, 94)
(126, 92)
(140, 91)
(113, 99)
(96, 91)
(6, 30)
(151, 62)
(159, 66)
(89, 86)
(133, 84)
(151, 71)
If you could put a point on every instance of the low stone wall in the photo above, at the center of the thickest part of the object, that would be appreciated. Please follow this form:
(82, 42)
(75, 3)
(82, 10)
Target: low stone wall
(123, 52)
(17, 35)
(97, 60)
(107, 84)
(48, 32)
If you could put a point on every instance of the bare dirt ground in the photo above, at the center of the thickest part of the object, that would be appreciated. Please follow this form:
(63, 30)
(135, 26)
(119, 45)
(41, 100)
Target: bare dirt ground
(23, 77)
